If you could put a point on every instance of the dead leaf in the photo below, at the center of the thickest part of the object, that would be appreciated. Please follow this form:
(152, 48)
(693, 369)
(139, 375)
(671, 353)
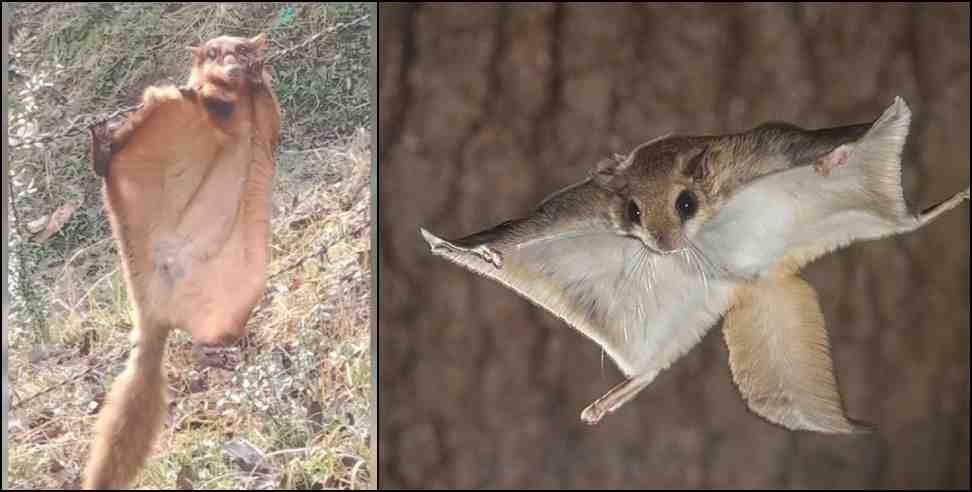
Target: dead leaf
(349, 461)
(172, 414)
(74, 484)
(56, 221)
(300, 224)
(185, 478)
(58, 472)
(281, 357)
(332, 483)
(40, 353)
(15, 425)
(38, 225)
(89, 338)
(199, 384)
(41, 419)
(247, 457)
(94, 406)
(315, 415)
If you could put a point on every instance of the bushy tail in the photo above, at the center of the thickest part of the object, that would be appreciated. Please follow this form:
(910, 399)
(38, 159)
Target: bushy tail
(130, 420)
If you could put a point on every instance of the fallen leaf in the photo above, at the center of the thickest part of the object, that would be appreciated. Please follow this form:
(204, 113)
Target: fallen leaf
(300, 224)
(94, 406)
(349, 461)
(315, 415)
(185, 478)
(247, 457)
(41, 419)
(38, 225)
(172, 414)
(58, 472)
(56, 221)
(363, 259)
(198, 385)
(40, 353)
(15, 425)
(281, 357)
(89, 337)
(332, 483)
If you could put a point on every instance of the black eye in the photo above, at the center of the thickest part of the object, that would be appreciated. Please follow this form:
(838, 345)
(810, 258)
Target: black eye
(686, 205)
(242, 50)
(633, 212)
(211, 53)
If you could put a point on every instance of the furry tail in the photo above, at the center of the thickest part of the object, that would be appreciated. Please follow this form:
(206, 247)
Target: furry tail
(933, 213)
(878, 159)
(130, 420)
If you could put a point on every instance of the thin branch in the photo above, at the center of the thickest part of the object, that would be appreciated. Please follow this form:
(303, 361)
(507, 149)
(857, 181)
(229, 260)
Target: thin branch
(313, 38)
(75, 128)
(91, 289)
(287, 451)
(53, 387)
(13, 203)
(320, 252)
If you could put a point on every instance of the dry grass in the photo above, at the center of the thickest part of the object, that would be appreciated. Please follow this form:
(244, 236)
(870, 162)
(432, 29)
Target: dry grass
(302, 394)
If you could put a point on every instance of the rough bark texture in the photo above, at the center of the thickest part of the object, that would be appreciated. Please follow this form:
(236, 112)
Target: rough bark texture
(484, 110)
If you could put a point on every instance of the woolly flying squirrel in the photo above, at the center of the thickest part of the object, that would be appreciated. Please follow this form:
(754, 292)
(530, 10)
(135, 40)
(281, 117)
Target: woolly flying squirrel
(187, 182)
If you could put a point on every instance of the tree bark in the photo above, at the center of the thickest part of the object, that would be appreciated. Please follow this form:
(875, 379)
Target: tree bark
(485, 110)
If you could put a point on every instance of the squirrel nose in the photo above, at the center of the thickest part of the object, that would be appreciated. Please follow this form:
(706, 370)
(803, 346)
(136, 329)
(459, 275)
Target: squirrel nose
(670, 243)
(232, 66)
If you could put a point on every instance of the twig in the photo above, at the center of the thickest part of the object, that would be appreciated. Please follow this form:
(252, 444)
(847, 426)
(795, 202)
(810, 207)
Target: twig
(354, 472)
(319, 252)
(286, 451)
(75, 128)
(313, 38)
(79, 252)
(51, 388)
(91, 289)
(13, 203)
(327, 150)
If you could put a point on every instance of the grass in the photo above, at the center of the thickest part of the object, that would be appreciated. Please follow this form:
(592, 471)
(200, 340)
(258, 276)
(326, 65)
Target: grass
(302, 394)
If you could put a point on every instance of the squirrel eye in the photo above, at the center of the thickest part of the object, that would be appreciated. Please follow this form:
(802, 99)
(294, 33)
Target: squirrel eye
(633, 212)
(686, 205)
(242, 50)
(211, 53)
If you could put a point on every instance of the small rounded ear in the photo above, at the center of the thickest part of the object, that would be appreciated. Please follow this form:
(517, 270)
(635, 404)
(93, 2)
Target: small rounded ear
(196, 52)
(696, 165)
(259, 41)
(607, 173)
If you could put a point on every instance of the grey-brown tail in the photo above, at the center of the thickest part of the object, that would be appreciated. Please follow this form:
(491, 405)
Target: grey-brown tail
(936, 211)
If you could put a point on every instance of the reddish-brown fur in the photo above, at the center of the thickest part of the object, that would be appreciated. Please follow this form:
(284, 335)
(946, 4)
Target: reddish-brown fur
(187, 183)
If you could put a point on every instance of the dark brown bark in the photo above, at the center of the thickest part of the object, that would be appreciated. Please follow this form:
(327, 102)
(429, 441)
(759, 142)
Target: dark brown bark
(484, 110)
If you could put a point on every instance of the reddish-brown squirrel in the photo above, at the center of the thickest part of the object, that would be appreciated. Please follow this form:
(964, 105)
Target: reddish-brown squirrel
(187, 181)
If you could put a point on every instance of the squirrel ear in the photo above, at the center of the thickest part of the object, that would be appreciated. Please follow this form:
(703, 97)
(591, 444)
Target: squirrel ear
(196, 51)
(259, 41)
(607, 174)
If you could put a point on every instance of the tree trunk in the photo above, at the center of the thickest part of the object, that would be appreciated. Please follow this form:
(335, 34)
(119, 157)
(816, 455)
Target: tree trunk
(485, 110)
